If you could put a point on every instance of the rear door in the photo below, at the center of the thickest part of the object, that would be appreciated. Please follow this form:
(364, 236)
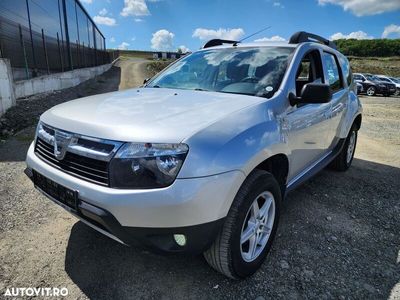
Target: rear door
(340, 94)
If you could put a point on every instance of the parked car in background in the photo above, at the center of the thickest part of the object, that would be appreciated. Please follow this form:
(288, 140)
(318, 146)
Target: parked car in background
(393, 80)
(387, 80)
(360, 88)
(372, 85)
(397, 82)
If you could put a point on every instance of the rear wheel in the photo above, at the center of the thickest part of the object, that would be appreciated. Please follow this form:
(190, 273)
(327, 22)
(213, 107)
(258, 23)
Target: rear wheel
(249, 229)
(343, 161)
(371, 91)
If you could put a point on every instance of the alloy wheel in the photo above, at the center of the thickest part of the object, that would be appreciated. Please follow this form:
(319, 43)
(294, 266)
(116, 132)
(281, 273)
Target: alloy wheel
(257, 226)
(371, 91)
(351, 147)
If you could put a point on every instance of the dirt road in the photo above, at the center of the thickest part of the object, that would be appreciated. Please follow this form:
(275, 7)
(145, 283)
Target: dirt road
(133, 72)
(338, 236)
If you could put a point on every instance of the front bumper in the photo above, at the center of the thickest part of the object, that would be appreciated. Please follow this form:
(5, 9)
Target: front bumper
(195, 207)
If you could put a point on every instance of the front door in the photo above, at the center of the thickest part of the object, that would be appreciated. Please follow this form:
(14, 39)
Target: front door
(307, 124)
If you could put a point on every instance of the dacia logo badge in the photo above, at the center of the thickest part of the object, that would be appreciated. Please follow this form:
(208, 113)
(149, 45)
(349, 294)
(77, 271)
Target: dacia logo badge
(61, 143)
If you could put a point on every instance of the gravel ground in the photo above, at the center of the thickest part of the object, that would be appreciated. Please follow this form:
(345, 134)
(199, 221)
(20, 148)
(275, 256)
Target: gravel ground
(338, 236)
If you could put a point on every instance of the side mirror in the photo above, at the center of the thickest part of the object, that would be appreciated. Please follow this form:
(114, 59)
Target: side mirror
(312, 93)
(146, 80)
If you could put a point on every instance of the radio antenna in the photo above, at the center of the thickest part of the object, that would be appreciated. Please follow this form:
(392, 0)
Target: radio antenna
(249, 36)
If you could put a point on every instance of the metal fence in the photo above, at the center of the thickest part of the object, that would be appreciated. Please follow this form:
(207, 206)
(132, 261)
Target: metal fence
(44, 36)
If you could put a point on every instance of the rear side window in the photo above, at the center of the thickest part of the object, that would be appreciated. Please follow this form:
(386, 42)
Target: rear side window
(333, 74)
(346, 69)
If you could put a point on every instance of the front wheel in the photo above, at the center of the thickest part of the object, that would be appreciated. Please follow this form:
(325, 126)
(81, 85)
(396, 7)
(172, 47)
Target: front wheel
(371, 91)
(249, 229)
(344, 159)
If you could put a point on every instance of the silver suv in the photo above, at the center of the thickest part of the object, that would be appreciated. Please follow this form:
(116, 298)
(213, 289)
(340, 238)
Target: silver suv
(200, 158)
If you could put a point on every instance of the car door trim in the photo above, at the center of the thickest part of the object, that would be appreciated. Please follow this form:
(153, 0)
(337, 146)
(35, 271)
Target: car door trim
(315, 167)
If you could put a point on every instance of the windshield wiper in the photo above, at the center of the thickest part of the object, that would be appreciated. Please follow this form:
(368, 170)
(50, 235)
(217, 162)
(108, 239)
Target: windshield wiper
(199, 89)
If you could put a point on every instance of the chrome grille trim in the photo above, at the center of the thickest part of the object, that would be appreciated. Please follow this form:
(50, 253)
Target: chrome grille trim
(84, 157)
(73, 140)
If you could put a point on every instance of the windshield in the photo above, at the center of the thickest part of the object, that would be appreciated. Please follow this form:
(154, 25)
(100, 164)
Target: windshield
(249, 71)
(372, 77)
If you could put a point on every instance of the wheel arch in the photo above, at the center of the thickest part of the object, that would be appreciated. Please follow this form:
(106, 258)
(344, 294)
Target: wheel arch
(278, 166)
(357, 121)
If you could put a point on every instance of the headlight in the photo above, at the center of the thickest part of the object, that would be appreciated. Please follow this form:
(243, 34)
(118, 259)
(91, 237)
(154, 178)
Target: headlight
(146, 165)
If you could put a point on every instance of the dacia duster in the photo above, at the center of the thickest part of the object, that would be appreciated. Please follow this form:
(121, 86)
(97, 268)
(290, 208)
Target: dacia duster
(200, 158)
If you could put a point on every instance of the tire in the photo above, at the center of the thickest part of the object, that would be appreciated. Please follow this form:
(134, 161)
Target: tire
(344, 159)
(227, 254)
(371, 90)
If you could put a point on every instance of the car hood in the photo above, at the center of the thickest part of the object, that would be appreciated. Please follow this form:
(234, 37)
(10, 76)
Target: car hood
(145, 114)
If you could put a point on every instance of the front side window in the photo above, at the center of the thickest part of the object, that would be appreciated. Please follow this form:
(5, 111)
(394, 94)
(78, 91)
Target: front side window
(249, 71)
(309, 71)
(332, 70)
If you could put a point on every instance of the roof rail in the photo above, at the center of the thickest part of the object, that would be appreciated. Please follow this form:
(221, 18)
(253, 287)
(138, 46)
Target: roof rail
(218, 42)
(302, 36)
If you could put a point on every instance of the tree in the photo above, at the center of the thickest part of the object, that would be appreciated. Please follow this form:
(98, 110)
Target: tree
(365, 48)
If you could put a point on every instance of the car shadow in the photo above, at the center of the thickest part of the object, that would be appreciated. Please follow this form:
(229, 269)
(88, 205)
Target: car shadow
(338, 237)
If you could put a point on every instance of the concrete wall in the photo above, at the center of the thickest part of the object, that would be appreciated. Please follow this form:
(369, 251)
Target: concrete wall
(7, 96)
(56, 81)
(10, 90)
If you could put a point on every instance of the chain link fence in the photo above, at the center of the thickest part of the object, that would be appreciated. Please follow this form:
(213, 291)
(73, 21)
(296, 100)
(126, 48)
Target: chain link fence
(46, 36)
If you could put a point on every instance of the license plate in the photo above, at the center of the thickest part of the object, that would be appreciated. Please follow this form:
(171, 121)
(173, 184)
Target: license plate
(59, 192)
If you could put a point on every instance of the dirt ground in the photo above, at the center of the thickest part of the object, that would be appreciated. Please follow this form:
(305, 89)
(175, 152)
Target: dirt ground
(338, 237)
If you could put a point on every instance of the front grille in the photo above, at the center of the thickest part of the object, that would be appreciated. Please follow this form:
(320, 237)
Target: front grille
(86, 168)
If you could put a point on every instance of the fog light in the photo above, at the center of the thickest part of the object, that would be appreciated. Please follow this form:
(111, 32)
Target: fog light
(180, 239)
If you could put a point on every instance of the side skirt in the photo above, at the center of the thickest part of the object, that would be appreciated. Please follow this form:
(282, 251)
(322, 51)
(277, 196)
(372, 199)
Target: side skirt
(315, 168)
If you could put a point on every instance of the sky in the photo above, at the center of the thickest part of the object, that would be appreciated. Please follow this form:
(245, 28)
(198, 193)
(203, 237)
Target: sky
(188, 24)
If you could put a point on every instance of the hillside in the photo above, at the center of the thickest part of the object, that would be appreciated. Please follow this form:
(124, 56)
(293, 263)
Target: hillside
(389, 66)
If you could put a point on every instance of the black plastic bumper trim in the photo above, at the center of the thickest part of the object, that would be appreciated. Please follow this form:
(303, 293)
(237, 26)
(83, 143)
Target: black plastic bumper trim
(198, 237)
